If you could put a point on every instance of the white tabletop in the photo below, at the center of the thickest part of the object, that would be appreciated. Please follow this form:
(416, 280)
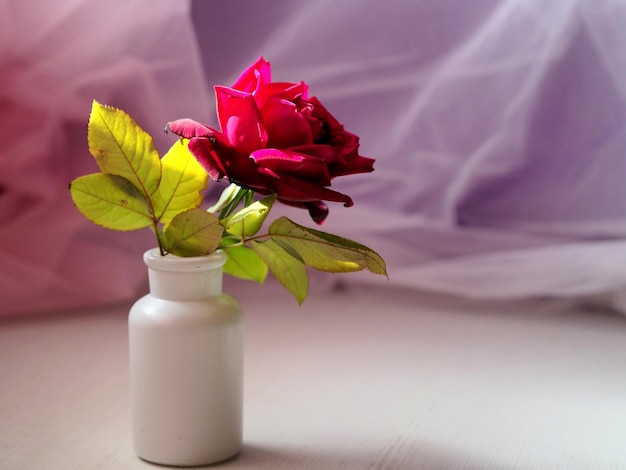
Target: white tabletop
(378, 378)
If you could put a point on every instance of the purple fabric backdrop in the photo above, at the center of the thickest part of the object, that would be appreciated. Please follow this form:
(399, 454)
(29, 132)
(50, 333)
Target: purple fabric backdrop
(499, 129)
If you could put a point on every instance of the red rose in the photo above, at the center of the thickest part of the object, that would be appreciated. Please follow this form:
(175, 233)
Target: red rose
(274, 139)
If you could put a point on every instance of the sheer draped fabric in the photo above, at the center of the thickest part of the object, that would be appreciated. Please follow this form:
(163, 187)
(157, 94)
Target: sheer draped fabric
(55, 58)
(499, 129)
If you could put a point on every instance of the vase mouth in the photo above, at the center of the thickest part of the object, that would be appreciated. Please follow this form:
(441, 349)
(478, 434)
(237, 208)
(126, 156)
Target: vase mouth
(155, 260)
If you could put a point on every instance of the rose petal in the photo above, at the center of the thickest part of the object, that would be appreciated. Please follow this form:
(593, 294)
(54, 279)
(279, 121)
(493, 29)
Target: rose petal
(293, 163)
(297, 190)
(317, 209)
(247, 81)
(188, 128)
(259, 93)
(220, 160)
(286, 90)
(286, 127)
(357, 164)
(240, 119)
(326, 153)
(203, 149)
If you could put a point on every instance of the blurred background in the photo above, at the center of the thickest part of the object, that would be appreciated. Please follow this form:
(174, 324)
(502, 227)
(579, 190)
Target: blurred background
(498, 128)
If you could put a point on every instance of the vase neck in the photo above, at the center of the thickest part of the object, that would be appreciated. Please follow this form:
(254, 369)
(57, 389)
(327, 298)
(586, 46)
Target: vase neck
(177, 278)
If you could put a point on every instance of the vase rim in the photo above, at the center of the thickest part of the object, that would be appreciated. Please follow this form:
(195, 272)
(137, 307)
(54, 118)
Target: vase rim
(154, 260)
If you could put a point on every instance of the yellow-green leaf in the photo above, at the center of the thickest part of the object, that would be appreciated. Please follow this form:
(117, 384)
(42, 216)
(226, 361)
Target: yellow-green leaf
(182, 181)
(325, 251)
(110, 201)
(122, 148)
(244, 263)
(194, 232)
(249, 220)
(289, 270)
(227, 195)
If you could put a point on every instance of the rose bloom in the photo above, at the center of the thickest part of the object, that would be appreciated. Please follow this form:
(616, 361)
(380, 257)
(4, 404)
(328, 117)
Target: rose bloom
(275, 139)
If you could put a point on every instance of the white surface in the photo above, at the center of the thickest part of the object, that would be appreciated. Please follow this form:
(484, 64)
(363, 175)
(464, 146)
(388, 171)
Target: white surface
(365, 378)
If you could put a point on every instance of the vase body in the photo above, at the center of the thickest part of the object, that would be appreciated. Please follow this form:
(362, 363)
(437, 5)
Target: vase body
(186, 364)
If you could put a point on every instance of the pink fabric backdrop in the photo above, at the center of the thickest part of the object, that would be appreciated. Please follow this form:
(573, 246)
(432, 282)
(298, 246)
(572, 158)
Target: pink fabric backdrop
(55, 58)
(499, 129)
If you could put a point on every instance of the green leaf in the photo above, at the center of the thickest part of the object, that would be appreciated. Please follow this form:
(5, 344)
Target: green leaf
(244, 263)
(225, 198)
(122, 148)
(249, 220)
(182, 181)
(324, 251)
(194, 232)
(290, 271)
(110, 201)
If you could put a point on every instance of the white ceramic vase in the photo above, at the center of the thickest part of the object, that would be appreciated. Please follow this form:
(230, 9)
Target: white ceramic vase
(186, 363)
